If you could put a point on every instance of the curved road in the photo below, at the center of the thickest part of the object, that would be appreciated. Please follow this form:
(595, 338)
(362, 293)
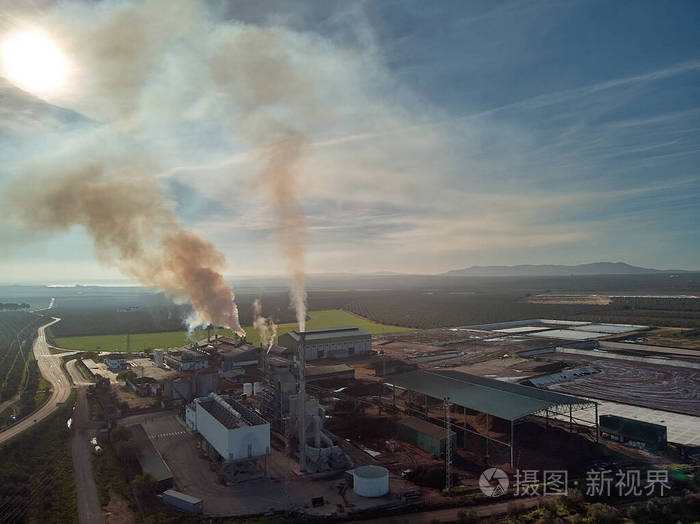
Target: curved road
(50, 368)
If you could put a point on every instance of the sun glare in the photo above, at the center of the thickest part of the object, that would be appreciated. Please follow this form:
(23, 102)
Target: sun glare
(33, 62)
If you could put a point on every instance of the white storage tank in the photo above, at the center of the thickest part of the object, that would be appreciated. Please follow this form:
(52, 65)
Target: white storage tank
(248, 389)
(158, 358)
(257, 387)
(371, 481)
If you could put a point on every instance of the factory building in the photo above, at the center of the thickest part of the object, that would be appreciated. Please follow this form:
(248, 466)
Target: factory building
(337, 342)
(424, 435)
(636, 433)
(236, 437)
(183, 359)
(238, 356)
(185, 388)
(114, 361)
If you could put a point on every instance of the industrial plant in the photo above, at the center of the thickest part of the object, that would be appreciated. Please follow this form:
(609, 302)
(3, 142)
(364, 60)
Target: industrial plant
(339, 422)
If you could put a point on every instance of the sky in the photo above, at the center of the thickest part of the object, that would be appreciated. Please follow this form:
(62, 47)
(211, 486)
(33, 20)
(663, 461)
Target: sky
(437, 135)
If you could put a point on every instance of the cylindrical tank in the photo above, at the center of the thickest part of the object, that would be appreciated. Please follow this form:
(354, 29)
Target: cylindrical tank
(257, 387)
(158, 357)
(248, 388)
(371, 481)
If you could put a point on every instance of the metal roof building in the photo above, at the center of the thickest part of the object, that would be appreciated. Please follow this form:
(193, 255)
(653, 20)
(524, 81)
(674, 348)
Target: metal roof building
(150, 460)
(504, 400)
(329, 342)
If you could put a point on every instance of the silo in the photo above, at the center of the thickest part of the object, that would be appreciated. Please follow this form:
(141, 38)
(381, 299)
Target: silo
(257, 387)
(248, 389)
(371, 481)
(158, 357)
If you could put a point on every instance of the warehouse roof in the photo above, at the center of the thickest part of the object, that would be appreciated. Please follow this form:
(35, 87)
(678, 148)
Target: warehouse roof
(500, 399)
(149, 459)
(326, 333)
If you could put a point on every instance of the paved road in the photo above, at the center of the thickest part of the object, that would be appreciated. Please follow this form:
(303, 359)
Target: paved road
(75, 374)
(89, 509)
(50, 367)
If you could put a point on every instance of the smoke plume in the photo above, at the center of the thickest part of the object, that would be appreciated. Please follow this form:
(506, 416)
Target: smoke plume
(252, 68)
(133, 229)
(267, 329)
(171, 80)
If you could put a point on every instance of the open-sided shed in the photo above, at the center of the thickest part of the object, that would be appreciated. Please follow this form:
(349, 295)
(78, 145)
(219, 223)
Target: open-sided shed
(504, 400)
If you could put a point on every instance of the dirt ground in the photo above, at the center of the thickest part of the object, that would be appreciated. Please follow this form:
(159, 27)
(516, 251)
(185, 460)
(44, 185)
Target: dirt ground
(118, 510)
(658, 387)
(673, 337)
(135, 402)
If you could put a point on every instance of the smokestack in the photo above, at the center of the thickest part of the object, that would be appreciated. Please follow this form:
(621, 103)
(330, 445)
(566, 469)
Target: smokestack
(301, 417)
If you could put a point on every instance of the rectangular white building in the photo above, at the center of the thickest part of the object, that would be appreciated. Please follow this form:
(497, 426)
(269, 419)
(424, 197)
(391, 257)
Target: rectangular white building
(233, 430)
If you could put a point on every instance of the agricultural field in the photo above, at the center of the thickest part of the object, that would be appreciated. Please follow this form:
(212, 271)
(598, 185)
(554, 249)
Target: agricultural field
(143, 341)
(36, 478)
(19, 374)
(145, 312)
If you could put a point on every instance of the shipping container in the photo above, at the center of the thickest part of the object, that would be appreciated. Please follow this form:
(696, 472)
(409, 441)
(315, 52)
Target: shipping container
(183, 502)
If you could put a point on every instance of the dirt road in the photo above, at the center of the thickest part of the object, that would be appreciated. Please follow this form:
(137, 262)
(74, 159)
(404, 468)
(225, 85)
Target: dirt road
(50, 368)
(89, 509)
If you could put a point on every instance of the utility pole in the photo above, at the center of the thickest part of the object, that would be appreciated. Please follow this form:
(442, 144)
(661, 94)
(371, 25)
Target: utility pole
(448, 449)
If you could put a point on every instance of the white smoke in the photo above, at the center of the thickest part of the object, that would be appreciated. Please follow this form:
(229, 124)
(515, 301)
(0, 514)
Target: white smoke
(267, 329)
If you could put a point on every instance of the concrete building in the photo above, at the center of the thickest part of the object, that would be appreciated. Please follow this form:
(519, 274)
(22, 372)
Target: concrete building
(185, 388)
(183, 359)
(337, 342)
(238, 356)
(158, 358)
(236, 432)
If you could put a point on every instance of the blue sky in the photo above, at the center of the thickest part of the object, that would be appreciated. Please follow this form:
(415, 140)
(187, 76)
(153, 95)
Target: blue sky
(451, 134)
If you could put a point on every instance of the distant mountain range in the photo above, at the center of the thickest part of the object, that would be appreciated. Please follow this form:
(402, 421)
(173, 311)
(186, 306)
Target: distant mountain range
(596, 268)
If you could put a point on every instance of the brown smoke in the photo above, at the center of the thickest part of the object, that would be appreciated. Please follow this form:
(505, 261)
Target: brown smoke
(133, 229)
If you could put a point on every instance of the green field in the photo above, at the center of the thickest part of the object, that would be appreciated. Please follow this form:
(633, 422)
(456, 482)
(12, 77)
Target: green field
(168, 339)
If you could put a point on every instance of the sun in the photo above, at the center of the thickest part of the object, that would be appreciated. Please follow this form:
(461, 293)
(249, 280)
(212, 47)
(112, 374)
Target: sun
(33, 62)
